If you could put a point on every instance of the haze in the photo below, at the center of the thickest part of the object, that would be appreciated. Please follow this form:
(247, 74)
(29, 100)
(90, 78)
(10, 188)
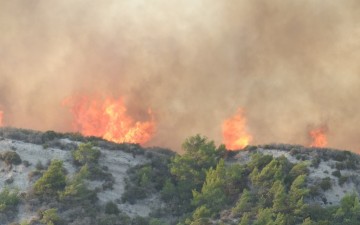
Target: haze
(290, 65)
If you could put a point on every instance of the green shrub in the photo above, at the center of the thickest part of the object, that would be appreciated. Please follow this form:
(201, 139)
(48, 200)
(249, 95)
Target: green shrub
(52, 181)
(50, 217)
(8, 199)
(259, 161)
(76, 189)
(86, 153)
(11, 157)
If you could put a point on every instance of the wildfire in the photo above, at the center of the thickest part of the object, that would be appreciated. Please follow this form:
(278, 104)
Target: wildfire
(318, 137)
(1, 118)
(235, 133)
(109, 119)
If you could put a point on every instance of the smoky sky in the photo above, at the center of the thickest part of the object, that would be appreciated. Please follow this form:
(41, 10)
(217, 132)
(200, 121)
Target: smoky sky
(291, 65)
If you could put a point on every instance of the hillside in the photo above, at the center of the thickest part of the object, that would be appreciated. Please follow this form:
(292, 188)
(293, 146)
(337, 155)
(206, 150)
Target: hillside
(55, 178)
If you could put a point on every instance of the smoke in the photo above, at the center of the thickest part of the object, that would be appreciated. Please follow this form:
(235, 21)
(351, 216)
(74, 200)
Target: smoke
(289, 64)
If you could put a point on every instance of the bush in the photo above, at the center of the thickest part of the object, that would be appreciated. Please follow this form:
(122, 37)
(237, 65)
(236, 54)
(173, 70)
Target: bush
(315, 162)
(11, 157)
(8, 199)
(50, 217)
(39, 165)
(26, 163)
(111, 219)
(325, 183)
(52, 181)
(111, 208)
(340, 166)
(139, 221)
(76, 190)
(336, 173)
(86, 154)
(343, 180)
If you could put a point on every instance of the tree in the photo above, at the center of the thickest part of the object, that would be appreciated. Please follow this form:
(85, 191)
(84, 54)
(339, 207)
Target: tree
(280, 197)
(275, 170)
(200, 155)
(307, 221)
(75, 189)
(212, 194)
(244, 204)
(297, 193)
(245, 220)
(189, 169)
(280, 219)
(52, 181)
(349, 210)
(264, 217)
(86, 153)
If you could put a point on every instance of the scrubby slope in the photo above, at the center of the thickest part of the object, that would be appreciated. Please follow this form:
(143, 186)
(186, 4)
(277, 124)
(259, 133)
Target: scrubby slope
(37, 150)
(54, 178)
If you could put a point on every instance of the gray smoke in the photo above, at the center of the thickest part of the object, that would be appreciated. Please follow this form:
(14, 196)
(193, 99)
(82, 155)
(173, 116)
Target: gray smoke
(290, 64)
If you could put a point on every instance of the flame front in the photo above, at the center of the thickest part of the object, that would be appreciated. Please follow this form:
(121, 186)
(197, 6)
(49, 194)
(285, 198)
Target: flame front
(235, 135)
(1, 118)
(318, 137)
(109, 119)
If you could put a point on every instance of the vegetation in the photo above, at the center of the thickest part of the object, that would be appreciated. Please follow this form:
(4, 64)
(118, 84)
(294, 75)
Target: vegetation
(52, 181)
(86, 154)
(199, 187)
(8, 199)
(11, 157)
(50, 217)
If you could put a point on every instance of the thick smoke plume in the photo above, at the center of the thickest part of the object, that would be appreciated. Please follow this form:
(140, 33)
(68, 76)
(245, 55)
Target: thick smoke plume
(289, 64)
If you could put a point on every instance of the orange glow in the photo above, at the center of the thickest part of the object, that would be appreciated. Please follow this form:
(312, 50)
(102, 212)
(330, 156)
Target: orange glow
(235, 135)
(109, 119)
(318, 137)
(1, 118)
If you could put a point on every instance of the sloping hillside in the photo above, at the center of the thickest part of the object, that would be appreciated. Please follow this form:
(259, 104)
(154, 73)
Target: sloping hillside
(54, 178)
(36, 150)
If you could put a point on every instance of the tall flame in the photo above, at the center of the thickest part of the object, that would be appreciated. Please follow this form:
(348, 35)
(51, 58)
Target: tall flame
(318, 137)
(1, 118)
(109, 119)
(235, 135)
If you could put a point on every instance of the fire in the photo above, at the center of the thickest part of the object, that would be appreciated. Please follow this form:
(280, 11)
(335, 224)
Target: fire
(318, 137)
(1, 118)
(235, 133)
(109, 119)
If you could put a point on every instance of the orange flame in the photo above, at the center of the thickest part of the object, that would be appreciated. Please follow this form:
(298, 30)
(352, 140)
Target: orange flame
(1, 118)
(235, 133)
(318, 137)
(109, 119)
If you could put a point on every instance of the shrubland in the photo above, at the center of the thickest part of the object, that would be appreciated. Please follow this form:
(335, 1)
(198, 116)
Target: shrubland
(204, 185)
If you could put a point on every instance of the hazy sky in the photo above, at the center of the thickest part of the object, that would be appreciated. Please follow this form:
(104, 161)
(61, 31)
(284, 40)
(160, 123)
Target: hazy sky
(291, 65)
